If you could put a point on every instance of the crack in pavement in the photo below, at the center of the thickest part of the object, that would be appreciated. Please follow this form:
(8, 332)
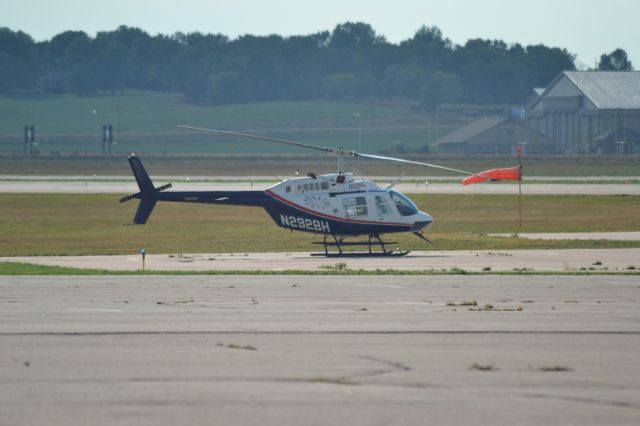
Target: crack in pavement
(621, 404)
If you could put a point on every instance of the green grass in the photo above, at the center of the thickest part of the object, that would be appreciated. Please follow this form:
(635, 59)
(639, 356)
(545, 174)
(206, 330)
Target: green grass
(17, 268)
(148, 112)
(287, 165)
(84, 224)
(147, 122)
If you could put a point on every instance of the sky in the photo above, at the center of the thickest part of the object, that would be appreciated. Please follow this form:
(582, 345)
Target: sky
(586, 28)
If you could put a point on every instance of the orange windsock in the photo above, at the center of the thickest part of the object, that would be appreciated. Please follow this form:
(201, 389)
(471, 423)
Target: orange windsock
(509, 173)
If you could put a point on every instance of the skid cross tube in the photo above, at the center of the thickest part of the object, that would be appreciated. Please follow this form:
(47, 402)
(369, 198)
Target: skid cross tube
(373, 240)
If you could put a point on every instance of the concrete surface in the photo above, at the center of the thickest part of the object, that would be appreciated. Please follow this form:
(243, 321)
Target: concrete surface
(275, 350)
(473, 260)
(126, 185)
(611, 236)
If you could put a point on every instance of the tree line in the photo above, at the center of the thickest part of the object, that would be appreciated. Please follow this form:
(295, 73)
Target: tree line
(350, 62)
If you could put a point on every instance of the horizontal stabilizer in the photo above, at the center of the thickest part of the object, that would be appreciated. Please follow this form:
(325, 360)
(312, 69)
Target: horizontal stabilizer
(129, 197)
(508, 173)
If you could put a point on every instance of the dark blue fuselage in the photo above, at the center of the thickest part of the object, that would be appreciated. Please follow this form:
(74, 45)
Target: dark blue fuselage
(286, 215)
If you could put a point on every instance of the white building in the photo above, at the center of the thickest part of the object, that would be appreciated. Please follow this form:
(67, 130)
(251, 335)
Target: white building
(589, 112)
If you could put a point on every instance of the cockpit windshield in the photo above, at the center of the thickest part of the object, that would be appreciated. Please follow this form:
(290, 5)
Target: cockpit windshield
(404, 205)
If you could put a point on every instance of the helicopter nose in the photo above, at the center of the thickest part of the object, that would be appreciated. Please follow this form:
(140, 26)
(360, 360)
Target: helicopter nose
(423, 220)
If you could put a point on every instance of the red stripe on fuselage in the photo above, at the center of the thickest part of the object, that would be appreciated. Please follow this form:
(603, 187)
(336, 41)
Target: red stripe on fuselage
(304, 209)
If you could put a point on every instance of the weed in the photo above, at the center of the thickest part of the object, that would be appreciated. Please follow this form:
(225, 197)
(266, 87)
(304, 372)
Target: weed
(234, 346)
(339, 266)
(16, 268)
(483, 367)
(555, 368)
(471, 302)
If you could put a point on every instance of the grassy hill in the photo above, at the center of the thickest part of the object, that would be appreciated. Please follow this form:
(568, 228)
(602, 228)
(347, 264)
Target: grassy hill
(147, 123)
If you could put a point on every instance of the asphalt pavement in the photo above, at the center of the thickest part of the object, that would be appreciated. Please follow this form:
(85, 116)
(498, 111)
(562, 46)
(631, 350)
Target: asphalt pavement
(319, 350)
(566, 260)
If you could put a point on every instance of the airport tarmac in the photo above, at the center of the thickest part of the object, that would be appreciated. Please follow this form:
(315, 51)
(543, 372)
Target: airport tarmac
(567, 260)
(126, 185)
(320, 350)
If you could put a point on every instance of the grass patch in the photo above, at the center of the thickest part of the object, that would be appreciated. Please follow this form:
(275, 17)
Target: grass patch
(147, 122)
(15, 268)
(96, 224)
(255, 162)
(464, 303)
(235, 346)
(339, 266)
(554, 368)
(483, 367)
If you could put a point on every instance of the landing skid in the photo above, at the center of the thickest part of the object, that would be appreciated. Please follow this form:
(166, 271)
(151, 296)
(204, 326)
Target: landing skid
(364, 254)
(373, 241)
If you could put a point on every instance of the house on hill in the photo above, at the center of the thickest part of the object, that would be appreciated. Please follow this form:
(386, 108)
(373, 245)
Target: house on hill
(494, 136)
(589, 112)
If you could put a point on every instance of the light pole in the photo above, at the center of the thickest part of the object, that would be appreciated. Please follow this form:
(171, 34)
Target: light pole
(95, 119)
(359, 131)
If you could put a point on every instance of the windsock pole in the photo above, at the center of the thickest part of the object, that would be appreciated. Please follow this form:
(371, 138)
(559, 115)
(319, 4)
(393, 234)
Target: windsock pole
(520, 186)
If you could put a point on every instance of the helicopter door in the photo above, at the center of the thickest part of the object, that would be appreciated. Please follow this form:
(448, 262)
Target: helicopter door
(383, 208)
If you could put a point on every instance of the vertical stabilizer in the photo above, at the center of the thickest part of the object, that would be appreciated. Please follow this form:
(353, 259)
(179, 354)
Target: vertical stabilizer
(148, 194)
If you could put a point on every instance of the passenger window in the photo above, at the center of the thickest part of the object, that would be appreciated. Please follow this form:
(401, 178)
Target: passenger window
(316, 186)
(299, 188)
(305, 186)
(356, 206)
(324, 185)
(382, 207)
(288, 189)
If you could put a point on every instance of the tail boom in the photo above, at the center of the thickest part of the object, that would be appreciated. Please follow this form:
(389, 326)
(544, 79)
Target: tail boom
(149, 195)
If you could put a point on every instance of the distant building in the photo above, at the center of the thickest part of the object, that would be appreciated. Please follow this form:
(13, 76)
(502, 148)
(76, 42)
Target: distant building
(494, 136)
(589, 112)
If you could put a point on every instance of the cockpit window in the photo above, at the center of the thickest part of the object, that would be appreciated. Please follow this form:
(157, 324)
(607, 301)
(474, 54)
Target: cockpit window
(404, 205)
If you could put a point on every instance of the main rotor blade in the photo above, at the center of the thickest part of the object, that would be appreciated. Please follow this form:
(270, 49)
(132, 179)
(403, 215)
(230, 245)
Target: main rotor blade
(401, 160)
(261, 138)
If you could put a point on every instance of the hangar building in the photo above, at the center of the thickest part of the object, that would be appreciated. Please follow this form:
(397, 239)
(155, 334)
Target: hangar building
(589, 112)
(494, 136)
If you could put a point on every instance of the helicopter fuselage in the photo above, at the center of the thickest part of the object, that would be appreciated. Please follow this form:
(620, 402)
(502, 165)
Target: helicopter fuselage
(333, 204)
(338, 204)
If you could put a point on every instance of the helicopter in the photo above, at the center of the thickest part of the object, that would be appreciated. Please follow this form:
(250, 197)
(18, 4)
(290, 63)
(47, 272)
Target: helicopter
(337, 205)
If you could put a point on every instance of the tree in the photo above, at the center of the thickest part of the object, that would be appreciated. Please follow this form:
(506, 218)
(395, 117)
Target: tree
(615, 61)
(440, 88)
(353, 35)
(18, 62)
